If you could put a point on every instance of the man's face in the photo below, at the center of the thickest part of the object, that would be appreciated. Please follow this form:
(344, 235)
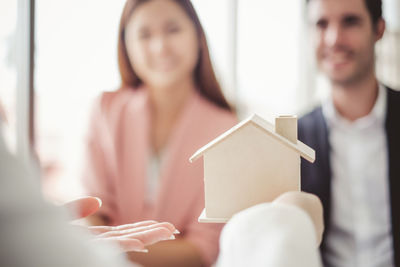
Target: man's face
(344, 39)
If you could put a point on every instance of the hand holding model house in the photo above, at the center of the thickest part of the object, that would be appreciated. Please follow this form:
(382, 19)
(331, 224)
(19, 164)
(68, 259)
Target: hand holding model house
(252, 163)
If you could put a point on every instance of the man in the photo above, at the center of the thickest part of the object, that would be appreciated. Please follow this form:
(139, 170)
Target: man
(356, 135)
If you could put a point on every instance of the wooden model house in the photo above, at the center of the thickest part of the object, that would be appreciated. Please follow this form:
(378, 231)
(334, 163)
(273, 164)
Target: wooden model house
(251, 163)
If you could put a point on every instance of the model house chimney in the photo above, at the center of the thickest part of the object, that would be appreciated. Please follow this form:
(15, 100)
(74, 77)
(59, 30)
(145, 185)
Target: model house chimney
(286, 126)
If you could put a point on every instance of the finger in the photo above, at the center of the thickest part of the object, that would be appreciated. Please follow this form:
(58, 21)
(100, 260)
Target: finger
(132, 230)
(152, 236)
(83, 207)
(104, 229)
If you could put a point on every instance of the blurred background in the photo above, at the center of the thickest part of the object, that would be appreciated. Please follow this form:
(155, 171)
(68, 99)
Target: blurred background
(57, 56)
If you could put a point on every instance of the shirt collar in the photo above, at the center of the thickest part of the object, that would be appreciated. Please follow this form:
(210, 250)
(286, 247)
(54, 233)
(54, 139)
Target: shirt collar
(377, 114)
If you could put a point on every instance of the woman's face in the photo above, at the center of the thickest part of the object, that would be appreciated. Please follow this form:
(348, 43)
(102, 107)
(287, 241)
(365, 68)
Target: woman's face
(162, 43)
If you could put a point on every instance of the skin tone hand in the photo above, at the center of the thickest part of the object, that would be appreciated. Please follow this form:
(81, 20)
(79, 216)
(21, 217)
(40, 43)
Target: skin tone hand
(82, 207)
(310, 204)
(129, 237)
(136, 236)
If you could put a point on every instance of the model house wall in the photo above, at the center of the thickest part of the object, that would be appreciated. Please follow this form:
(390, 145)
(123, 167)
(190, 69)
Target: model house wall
(247, 161)
(253, 162)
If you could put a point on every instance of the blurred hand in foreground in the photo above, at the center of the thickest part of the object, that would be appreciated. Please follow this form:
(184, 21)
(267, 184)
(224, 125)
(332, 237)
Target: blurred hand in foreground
(129, 237)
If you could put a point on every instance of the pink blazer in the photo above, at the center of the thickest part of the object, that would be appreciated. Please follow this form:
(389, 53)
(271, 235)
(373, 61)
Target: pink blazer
(118, 151)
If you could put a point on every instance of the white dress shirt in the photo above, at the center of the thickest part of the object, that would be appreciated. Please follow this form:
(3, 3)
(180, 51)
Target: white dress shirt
(153, 178)
(269, 235)
(360, 226)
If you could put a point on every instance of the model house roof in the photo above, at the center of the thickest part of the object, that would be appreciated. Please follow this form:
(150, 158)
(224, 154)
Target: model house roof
(269, 129)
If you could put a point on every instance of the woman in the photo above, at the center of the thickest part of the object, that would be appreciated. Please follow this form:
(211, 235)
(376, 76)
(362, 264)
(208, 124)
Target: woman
(141, 136)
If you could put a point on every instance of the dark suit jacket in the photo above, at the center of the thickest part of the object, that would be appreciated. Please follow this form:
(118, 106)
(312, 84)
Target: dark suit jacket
(316, 178)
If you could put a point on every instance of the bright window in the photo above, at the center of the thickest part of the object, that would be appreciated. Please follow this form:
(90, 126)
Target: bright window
(76, 59)
(269, 55)
(8, 70)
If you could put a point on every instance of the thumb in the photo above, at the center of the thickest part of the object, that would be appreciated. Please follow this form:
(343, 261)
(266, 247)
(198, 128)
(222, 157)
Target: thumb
(83, 207)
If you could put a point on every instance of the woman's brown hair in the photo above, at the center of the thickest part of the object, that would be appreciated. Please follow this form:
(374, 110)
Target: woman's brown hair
(204, 75)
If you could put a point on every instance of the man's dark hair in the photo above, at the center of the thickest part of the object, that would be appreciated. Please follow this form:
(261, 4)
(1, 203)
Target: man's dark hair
(374, 8)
